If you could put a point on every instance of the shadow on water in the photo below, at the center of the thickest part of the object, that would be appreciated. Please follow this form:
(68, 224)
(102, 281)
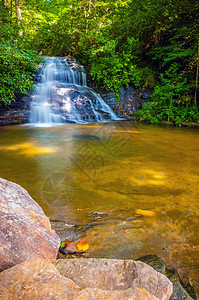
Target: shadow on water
(86, 136)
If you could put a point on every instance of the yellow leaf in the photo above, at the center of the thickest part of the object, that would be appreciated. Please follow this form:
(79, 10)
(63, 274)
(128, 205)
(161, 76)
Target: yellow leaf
(144, 212)
(82, 246)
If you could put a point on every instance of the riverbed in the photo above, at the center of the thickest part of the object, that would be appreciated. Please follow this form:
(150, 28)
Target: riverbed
(128, 189)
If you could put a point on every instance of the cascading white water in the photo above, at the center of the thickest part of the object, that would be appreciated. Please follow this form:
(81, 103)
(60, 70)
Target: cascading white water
(62, 96)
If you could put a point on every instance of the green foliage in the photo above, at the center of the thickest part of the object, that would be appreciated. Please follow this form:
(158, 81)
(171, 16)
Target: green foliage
(155, 113)
(173, 86)
(151, 43)
(16, 70)
(17, 61)
(171, 100)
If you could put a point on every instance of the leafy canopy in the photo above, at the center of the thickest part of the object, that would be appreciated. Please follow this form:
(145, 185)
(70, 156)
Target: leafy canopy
(150, 43)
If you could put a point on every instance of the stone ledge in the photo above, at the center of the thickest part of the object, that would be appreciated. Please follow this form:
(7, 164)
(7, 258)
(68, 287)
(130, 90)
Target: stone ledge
(38, 278)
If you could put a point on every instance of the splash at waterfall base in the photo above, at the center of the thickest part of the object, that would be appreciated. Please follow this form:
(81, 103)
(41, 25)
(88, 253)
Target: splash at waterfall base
(76, 91)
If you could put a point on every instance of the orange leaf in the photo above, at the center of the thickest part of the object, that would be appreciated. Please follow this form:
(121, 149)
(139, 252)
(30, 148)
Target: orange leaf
(64, 244)
(82, 246)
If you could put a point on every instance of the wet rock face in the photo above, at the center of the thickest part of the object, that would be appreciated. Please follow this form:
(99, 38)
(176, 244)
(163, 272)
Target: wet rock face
(83, 103)
(112, 274)
(39, 279)
(178, 291)
(25, 230)
(185, 261)
(129, 101)
(16, 113)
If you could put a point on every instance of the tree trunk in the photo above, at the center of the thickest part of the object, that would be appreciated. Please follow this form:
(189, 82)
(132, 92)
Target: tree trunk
(18, 14)
(89, 6)
(11, 9)
(4, 12)
(87, 14)
(95, 4)
(197, 67)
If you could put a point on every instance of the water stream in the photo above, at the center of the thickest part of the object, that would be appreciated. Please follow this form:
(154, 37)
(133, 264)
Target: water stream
(127, 189)
(62, 96)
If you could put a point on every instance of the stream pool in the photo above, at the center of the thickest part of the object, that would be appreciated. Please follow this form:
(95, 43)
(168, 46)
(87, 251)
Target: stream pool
(129, 189)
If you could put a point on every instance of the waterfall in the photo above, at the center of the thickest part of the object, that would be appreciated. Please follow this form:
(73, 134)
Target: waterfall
(62, 96)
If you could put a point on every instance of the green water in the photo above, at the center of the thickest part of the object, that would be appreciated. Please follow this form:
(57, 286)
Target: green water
(133, 188)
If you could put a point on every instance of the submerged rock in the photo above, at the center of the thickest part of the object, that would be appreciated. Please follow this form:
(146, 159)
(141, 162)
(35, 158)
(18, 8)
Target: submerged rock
(39, 279)
(185, 261)
(178, 291)
(25, 231)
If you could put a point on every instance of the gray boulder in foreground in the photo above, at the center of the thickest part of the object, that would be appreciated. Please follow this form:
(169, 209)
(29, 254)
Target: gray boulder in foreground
(39, 279)
(25, 231)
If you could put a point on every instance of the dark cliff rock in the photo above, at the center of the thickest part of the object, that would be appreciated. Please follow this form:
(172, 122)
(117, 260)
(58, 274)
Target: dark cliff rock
(130, 98)
(17, 112)
(129, 101)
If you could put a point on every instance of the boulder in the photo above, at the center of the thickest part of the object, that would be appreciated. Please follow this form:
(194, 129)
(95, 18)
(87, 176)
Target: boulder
(179, 291)
(25, 231)
(39, 279)
(185, 260)
(114, 274)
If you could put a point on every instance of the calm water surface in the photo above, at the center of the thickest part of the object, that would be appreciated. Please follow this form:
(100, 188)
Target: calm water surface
(133, 188)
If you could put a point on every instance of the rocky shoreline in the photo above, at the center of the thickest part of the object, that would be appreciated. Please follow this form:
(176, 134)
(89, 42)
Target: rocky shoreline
(30, 270)
(130, 100)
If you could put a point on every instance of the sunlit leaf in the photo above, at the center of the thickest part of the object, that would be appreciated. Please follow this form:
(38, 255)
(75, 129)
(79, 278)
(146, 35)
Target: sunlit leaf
(64, 244)
(144, 212)
(82, 246)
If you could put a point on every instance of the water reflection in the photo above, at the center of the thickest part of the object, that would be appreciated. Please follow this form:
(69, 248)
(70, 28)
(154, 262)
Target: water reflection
(133, 187)
(28, 149)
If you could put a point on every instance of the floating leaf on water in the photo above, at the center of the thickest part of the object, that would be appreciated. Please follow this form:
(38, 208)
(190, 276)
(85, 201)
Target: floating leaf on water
(82, 246)
(64, 244)
(144, 212)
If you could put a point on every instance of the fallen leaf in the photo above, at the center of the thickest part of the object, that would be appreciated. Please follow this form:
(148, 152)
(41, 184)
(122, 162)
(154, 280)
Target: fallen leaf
(82, 246)
(144, 212)
(64, 244)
